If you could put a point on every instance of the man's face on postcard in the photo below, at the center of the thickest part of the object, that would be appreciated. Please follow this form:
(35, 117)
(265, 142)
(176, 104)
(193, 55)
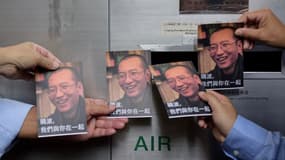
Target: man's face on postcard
(183, 82)
(64, 90)
(224, 48)
(133, 77)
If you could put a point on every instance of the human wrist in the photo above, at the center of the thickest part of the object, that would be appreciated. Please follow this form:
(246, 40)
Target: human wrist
(30, 126)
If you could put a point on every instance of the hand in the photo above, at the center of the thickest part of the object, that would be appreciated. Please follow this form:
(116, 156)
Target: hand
(223, 114)
(98, 125)
(19, 61)
(264, 26)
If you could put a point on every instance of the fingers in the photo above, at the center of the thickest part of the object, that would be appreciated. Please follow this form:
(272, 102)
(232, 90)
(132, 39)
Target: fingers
(203, 96)
(103, 122)
(211, 98)
(103, 126)
(45, 58)
(125, 120)
(94, 109)
(218, 135)
(202, 123)
(107, 127)
(21, 60)
(245, 44)
(100, 101)
(250, 33)
(261, 25)
(205, 122)
(248, 44)
(100, 132)
(253, 21)
(97, 131)
(219, 96)
(253, 16)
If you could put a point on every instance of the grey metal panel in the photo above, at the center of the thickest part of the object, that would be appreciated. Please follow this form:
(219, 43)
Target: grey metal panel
(135, 24)
(139, 22)
(23, 22)
(57, 150)
(74, 31)
(81, 32)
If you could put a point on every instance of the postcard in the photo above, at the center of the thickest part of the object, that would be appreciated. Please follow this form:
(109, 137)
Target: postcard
(221, 56)
(60, 101)
(179, 84)
(129, 81)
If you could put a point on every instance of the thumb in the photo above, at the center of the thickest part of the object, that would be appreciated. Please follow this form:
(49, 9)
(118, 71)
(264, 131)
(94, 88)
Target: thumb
(94, 109)
(250, 33)
(212, 100)
(97, 110)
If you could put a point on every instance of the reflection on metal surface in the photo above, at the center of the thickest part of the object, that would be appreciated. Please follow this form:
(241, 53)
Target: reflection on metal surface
(54, 29)
(263, 75)
(61, 16)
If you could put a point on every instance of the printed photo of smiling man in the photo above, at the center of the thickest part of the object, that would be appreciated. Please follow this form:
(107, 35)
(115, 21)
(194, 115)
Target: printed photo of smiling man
(129, 81)
(221, 60)
(179, 89)
(60, 98)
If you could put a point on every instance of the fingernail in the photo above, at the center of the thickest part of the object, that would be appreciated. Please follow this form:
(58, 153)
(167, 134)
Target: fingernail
(126, 120)
(112, 131)
(56, 64)
(121, 125)
(245, 45)
(59, 61)
(201, 93)
(112, 108)
(238, 32)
